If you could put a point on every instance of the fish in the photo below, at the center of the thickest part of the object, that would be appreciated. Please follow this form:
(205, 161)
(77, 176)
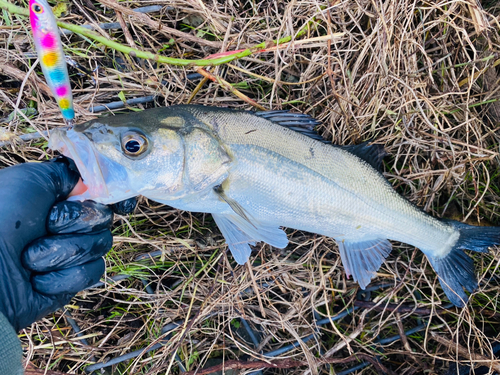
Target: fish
(259, 172)
(50, 52)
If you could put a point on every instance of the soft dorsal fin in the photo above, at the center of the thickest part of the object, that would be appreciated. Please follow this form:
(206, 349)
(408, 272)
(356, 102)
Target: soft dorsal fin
(371, 153)
(304, 124)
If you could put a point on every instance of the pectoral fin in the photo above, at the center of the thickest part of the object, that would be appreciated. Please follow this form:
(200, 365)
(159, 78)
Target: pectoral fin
(239, 233)
(363, 259)
(273, 235)
(233, 204)
(236, 239)
(242, 229)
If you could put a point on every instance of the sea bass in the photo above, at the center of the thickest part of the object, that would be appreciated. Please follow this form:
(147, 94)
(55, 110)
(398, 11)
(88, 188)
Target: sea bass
(256, 172)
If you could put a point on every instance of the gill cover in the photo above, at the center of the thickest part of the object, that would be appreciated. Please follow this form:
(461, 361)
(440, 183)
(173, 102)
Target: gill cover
(204, 164)
(207, 163)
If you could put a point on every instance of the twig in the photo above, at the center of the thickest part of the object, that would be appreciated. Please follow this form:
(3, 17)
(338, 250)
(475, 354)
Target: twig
(347, 340)
(12, 71)
(228, 87)
(116, 25)
(398, 308)
(197, 89)
(272, 80)
(465, 352)
(136, 353)
(21, 89)
(285, 364)
(189, 323)
(33, 371)
(337, 97)
(477, 74)
(121, 104)
(126, 31)
(480, 22)
(256, 289)
(155, 25)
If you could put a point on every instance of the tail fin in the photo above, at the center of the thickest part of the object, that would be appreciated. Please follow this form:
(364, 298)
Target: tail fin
(456, 269)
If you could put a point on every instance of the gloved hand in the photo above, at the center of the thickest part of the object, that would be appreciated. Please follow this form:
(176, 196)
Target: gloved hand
(49, 248)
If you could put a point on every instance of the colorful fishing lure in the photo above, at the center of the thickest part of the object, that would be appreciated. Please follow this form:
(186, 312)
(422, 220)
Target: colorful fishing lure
(50, 52)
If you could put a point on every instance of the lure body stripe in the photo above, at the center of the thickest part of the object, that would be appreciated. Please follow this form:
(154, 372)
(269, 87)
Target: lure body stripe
(50, 52)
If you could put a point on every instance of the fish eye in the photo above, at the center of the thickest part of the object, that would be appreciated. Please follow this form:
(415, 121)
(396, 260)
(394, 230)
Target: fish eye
(134, 144)
(37, 8)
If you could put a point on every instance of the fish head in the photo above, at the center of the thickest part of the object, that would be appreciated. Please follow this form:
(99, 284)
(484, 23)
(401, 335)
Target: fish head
(41, 17)
(121, 160)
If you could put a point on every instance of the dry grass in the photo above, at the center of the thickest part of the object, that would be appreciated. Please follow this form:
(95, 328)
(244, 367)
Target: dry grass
(420, 77)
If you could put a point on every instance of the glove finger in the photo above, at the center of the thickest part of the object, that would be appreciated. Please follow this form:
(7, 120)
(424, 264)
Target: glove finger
(37, 307)
(66, 250)
(125, 207)
(64, 176)
(79, 217)
(29, 190)
(70, 280)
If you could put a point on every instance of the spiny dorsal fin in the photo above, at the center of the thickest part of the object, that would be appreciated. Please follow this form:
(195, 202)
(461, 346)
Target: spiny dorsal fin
(299, 122)
(304, 124)
(372, 154)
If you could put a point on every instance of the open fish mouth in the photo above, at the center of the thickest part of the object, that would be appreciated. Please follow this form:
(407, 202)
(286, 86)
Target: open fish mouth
(106, 180)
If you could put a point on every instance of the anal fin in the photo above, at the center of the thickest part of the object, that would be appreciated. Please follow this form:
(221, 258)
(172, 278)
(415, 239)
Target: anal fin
(362, 259)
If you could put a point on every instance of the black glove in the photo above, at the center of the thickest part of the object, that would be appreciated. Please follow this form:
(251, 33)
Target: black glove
(49, 248)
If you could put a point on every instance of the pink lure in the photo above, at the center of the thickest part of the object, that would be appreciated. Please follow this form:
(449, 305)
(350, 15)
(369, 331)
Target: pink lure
(49, 48)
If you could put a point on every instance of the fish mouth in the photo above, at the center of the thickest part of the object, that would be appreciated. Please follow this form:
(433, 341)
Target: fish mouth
(106, 180)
